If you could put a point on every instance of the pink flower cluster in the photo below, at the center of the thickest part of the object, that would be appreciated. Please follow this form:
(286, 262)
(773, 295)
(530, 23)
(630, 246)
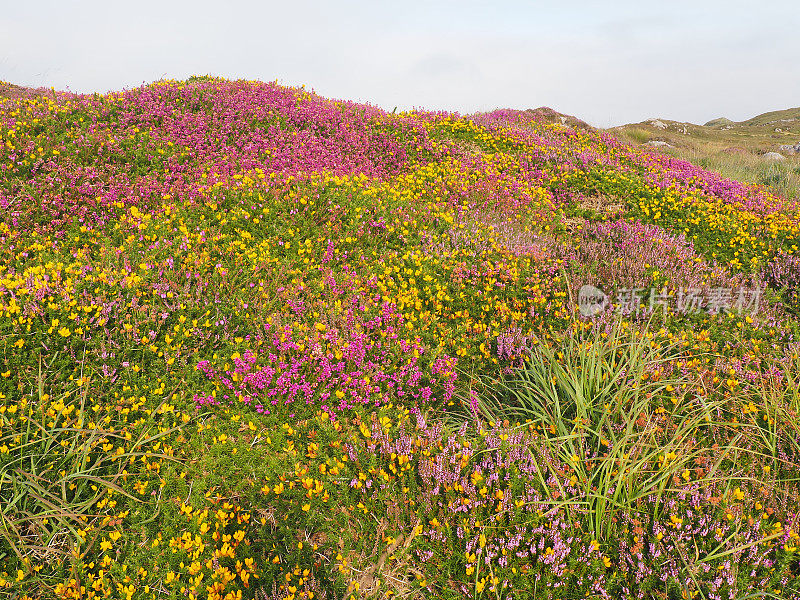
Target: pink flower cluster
(360, 362)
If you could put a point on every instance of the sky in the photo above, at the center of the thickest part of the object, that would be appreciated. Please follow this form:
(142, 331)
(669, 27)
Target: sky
(609, 63)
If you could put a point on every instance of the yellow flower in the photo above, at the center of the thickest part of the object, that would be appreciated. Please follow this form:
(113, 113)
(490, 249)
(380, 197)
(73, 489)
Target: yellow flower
(64, 332)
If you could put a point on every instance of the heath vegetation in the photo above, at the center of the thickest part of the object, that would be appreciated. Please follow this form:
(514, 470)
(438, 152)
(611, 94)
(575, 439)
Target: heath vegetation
(255, 343)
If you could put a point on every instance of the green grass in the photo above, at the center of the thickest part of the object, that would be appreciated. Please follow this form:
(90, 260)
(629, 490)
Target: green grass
(596, 402)
(52, 482)
(633, 437)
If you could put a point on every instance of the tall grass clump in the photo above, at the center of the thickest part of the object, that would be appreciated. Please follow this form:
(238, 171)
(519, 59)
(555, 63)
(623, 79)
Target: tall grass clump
(771, 410)
(611, 406)
(60, 466)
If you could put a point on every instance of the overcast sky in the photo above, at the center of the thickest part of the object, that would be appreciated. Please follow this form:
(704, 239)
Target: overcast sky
(607, 62)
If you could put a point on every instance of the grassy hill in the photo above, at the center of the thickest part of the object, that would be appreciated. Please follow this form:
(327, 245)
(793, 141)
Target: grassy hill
(733, 149)
(786, 120)
(257, 343)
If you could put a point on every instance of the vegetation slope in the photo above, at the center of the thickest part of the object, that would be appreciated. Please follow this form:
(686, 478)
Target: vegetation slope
(255, 343)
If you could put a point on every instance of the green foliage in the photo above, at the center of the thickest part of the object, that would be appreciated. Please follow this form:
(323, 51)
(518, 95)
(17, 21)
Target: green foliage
(61, 468)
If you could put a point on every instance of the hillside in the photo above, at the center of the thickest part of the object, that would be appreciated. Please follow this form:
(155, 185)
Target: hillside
(734, 149)
(11, 91)
(257, 343)
(548, 115)
(767, 131)
(786, 120)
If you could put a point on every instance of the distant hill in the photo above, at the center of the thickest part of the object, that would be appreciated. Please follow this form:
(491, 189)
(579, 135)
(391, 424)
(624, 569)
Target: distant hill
(762, 133)
(743, 150)
(545, 113)
(718, 122)
(776, 117)
(776, 121)
(10, 90)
